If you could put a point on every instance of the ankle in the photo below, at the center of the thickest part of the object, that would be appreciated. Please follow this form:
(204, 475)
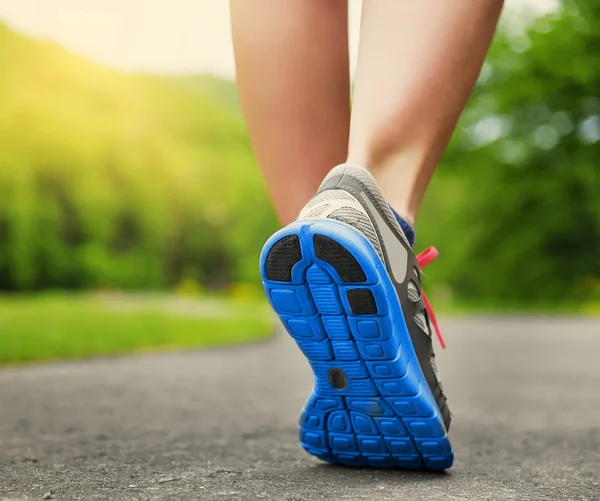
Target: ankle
(406, 226)
(409, 218)
(396, 177)
(403, 177)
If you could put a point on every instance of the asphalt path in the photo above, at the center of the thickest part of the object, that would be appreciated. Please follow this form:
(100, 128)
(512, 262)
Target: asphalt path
(222, 423)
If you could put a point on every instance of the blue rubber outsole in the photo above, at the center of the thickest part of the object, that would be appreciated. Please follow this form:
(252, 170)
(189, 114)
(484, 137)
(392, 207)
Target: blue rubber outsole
(383, 414)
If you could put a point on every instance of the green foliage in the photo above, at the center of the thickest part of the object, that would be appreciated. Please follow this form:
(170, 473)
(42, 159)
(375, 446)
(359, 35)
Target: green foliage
(128, 181)
(138, 181)
(523, 221)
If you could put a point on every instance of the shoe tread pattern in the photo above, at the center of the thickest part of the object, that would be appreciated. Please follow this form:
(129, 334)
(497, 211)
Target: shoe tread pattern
(338, 309)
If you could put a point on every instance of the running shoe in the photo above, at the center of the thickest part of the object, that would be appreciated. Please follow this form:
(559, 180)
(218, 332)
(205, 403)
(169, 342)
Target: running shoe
(346, 284)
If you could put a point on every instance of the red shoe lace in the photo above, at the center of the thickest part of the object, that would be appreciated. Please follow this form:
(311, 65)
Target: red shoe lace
(424, 258)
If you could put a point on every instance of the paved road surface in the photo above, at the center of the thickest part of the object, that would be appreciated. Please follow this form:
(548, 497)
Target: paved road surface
(221, 424)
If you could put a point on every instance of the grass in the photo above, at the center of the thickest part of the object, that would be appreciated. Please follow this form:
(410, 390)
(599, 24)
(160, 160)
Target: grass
(59, 327)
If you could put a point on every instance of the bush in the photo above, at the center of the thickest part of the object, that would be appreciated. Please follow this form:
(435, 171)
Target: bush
(109, 180)
(515, 208)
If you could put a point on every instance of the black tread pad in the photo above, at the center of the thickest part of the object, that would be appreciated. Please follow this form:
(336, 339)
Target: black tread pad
(281, 259)
(339, 257)
(337, 379)
(362, 302)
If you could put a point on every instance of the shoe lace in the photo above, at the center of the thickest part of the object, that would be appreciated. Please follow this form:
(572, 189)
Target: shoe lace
(424, 258)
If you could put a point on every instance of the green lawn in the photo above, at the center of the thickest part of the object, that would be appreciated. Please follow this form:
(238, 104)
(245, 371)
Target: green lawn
(58, 327)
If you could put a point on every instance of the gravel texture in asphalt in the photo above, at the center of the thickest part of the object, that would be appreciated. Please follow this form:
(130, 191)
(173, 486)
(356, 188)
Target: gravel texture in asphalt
(222, 423)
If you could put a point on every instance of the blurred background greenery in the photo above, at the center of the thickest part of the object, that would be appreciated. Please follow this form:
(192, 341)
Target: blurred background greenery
(115, 183)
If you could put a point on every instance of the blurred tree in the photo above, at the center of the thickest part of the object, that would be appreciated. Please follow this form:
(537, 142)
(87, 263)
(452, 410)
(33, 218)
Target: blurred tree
(526, 218)
(132, 181)
(129, 181)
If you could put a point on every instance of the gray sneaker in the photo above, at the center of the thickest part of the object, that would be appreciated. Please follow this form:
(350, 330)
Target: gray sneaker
(346, 284)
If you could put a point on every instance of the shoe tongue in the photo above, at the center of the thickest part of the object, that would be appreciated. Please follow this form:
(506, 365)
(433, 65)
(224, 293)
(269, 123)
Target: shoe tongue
(408, 230)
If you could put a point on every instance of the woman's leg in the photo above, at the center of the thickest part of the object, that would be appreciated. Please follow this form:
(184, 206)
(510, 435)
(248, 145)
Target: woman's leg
(417, 64)
(293, 79)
